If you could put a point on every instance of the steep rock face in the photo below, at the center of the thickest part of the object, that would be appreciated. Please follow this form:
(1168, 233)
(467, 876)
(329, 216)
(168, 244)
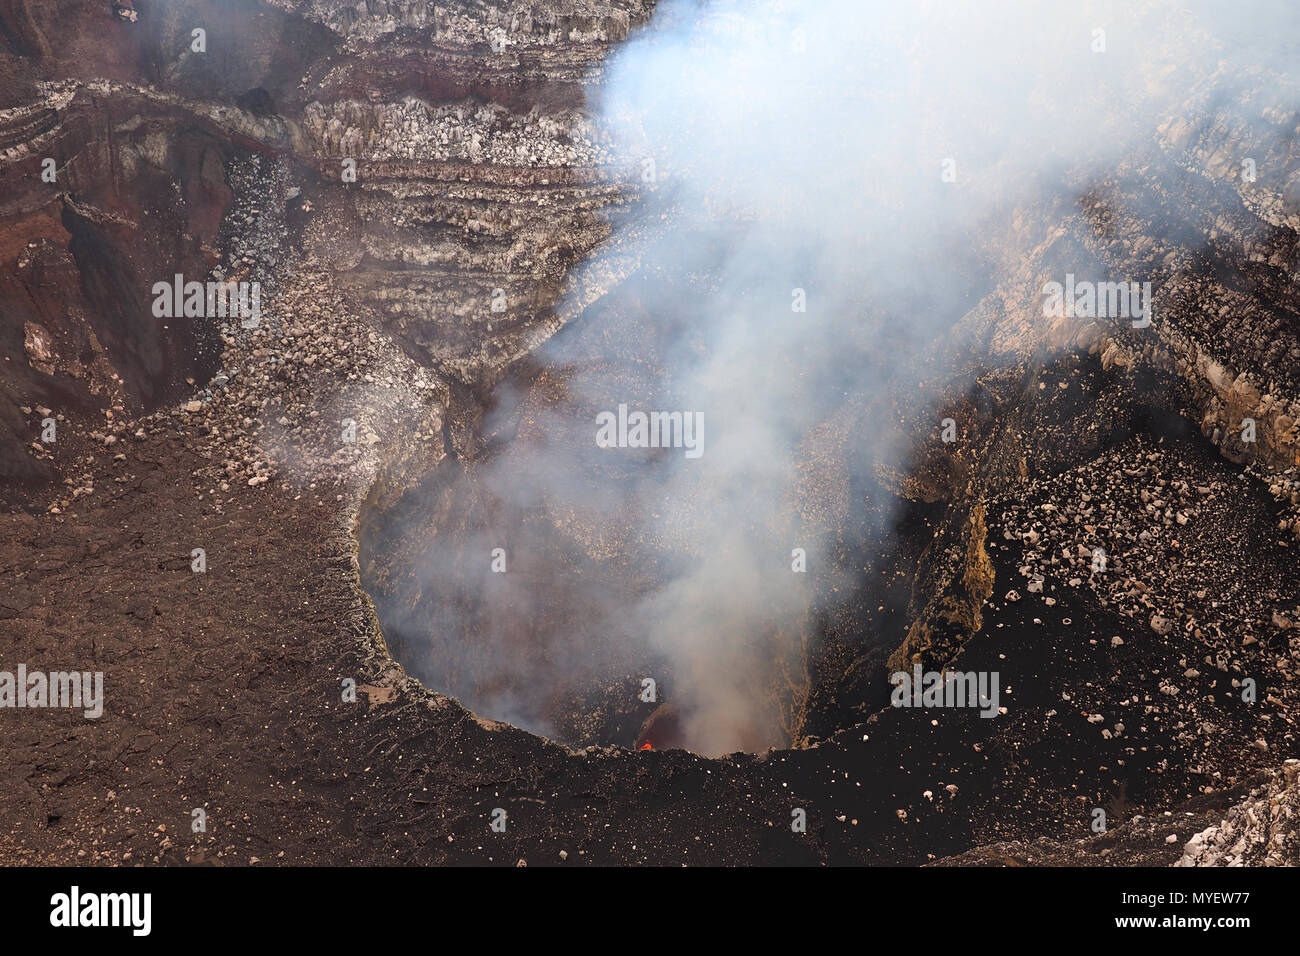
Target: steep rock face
(139, 194)
(477, 172)
(1209, 217)
(511, 26)
(465, 262)
(249, 45)
(116, 140)
(478, 183)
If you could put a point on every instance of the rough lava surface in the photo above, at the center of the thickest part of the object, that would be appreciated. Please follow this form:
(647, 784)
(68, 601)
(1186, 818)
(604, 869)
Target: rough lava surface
(478, 170)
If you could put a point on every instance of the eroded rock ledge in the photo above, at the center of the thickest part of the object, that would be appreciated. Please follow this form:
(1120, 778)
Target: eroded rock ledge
(225, 687)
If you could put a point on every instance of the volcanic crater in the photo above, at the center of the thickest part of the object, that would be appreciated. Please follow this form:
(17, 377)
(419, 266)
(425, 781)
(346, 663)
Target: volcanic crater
(347, 678)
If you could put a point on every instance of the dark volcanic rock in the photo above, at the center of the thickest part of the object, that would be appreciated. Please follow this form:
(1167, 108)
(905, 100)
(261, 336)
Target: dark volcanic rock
(320, 457)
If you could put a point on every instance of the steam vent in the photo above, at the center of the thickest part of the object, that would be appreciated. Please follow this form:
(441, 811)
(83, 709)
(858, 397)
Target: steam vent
(609, 432)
